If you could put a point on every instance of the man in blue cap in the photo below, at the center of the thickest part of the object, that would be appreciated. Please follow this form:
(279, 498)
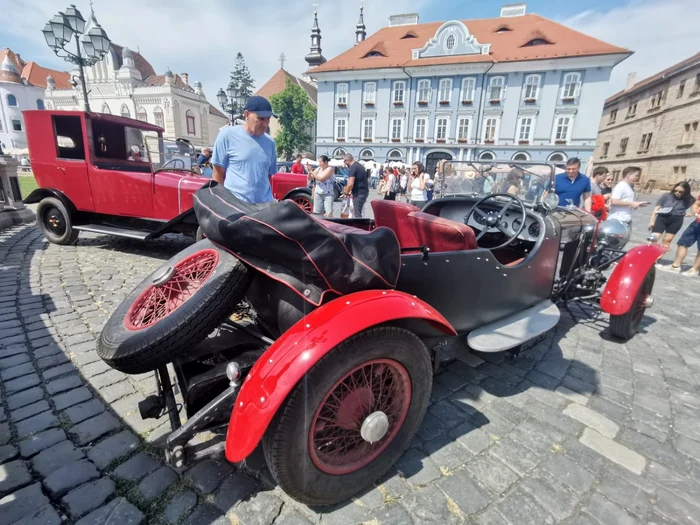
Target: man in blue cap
(245, 156)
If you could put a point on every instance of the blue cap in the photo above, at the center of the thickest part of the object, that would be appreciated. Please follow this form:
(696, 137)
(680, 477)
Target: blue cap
(260, 106)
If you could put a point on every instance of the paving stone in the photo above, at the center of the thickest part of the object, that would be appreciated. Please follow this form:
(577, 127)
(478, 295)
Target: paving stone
(430, 428)
(70, 476)
(45, 515)
(517, 457)
(473, 439)
(46, 351)
(519, 507)
(23, 502)
(56, 457)
(584, 456)
(5, 434)
(83, 411)
(88, 497)
(612, 450)
(628, 496)
(36, 424)
(110, 377)
(393, 514)
(592, 419)
(261, 509)
(687, 446)
(677, 509)
(136, 468)
(25, 398)
(65, 383)
(233, 490)
(17, 371)
(463, 490)
(52, 360)
(21, 383)
(448, 413)
(15, 360)
(58, 371)
(117, 391)
(447, 453)
(112, 448)
(430, 506)
(38, 442)
(7, 452)
(205, 515)
(29, 411)
(118, 511)
(417, 468)
(94, 428)
(207, 475)
(492, 473)
(157, 483)
(94, 368)
(549, 492)
(569, 472)
(661, 452)
(607, 512)
(13, 475)
(180, 505)
(68, 399)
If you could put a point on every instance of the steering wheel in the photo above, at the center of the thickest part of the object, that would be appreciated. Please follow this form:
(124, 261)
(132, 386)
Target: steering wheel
(491, 220)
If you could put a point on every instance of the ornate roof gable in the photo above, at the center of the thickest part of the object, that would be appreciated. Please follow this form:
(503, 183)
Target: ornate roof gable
(452, 38)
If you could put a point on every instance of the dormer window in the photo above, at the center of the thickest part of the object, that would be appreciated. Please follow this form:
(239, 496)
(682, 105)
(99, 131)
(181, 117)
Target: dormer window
(372, 54)
(450, 42)
(503, 29)
(538, 42)
(409, 35)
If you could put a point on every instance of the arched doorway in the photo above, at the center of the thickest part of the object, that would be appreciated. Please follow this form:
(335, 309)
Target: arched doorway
(432, 160)
(487, 155)
(339, 153)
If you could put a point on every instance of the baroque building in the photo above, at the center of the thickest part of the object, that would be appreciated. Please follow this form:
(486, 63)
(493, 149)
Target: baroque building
(653, 124)
(518, 87)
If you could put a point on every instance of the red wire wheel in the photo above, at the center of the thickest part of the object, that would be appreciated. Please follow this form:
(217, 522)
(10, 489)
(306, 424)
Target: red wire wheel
(171, 289)
(303, 202)
(360, 416)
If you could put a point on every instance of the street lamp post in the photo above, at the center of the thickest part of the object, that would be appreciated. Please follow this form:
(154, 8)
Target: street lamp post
(232, 102)
(91, 47)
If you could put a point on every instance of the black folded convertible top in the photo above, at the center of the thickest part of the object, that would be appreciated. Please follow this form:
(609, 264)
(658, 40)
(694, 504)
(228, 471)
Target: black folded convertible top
(311, 256)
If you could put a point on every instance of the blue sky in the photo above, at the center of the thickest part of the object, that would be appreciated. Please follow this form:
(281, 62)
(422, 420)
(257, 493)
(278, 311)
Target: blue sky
(202, 38)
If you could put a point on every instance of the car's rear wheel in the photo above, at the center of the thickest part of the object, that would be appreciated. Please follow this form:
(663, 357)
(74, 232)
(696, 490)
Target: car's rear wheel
(174, 308)
(351, 417)
(55, 221)
(626, 325)
(303, 200)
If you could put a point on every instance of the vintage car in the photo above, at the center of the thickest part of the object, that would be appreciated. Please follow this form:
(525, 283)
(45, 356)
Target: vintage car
(114, 175)
(329, 365)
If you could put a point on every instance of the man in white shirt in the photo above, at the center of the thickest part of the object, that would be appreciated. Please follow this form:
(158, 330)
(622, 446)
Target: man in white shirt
(622, 197)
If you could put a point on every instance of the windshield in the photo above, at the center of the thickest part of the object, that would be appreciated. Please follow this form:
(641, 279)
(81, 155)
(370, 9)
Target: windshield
(527, 180)
(171, 155)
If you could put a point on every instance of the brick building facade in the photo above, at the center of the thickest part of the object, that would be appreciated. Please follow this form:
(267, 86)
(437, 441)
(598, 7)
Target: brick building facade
(653, 124)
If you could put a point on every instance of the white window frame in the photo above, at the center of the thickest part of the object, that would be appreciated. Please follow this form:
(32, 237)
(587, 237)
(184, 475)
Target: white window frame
(341, 97)
(124, 111)
(532, 82)
(374, 127)
(531, 128)
(555, 129)
(369, 96)
(400, 121)
(449, 48)
(467, 90)
(425, 128)
(498, 82)
(571, 81)
(427, 89)
(345, 129)
(496, 127)
(141, 112)
(396, 91)
(21, 125)
(445, 89)
(460, 121)
(159, 117)
(15, 105)
(437, 127)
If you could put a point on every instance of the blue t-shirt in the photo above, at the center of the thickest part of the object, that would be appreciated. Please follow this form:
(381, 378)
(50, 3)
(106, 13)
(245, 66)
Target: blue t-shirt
(249, 162)
(568, 189)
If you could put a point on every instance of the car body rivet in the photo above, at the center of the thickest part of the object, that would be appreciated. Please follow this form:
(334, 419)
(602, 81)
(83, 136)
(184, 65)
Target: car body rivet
(262, 399)
(498, 267)
(307, 292)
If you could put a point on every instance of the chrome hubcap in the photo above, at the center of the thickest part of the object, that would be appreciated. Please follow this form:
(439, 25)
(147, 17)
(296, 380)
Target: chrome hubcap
(374, 427)
(649, 302)
(164, 276)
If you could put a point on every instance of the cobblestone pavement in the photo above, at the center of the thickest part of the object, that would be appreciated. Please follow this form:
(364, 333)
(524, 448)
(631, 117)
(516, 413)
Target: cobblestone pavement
(580, 430)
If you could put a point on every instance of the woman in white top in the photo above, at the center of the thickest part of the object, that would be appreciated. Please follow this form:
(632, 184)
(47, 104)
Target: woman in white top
(417, 185)
(324, 177)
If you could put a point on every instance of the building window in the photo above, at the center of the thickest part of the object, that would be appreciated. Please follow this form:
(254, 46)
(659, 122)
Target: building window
(441, 129)
(445, 90)
(496, 89)
(341, 126)
(525, 130)
(521, 156)
(632, 110)
(396, 129)
(339, 153)
(688, 137)
(368, 129)
(39, 104)
(125, 111)
(681, 89)
(490, 130)
(556, 158)
(656, 100)
(571, 86)
(623, 146)
(616, 175)
(12, 101)
(606, 148)
(450, 42)
(613, 116)
(342, 95)
(367, 154)
(105, 109)
(1, 128)
(158, 116)
(645, 142)
(399, 89)
(463, 129)
(189, 116)
(561, 131)
(423, 92)
(16, 125)
(697, 83)
(370, 93)
(487, 155)
(141, 114)
(532, 85)
(419, 132)
(468, 90)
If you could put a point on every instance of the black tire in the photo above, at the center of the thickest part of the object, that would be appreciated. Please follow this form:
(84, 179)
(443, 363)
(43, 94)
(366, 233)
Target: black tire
(626, 325)
(135, 347)
(287, 441)
(303, 199)
(55, 221)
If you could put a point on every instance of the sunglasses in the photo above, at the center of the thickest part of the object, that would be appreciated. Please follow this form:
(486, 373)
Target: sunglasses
(679, 191)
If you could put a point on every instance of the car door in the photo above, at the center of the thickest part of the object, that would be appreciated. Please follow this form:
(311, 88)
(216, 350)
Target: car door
(68, 173)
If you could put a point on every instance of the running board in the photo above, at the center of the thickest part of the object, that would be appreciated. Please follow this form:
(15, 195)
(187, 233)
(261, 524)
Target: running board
(516, 329)
(113, 230)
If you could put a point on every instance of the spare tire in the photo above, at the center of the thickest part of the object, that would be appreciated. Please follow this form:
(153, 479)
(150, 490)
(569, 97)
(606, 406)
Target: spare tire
(174, 308)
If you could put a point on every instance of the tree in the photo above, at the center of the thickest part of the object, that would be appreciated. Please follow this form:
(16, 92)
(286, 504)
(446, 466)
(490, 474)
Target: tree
(296, 114)
(242, 80)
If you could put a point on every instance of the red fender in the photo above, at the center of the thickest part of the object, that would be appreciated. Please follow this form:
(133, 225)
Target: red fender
(291, 356)
(623, 285)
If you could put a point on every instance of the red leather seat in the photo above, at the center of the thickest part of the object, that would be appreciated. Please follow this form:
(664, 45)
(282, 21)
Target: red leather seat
(394, 215)
(441, 235)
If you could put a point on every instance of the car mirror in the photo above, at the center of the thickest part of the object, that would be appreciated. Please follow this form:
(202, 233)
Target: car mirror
(550, 201)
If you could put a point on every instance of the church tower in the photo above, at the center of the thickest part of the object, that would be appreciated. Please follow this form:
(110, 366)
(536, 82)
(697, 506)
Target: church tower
(315, 58)
(361, 32)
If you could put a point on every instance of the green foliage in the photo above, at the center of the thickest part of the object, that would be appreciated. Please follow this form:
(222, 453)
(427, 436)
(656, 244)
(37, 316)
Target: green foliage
(296, 115)
(242, 80)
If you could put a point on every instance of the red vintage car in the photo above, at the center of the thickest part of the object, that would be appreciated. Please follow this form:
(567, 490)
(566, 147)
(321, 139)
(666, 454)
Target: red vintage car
(114, 175)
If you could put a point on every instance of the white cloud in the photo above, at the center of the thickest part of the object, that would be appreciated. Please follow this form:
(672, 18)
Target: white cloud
(661, 33)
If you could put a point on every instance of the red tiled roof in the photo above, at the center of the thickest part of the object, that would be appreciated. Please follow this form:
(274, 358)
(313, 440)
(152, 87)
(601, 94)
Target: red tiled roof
(36, 75)
(142, 65)
(659, 76)
(505, 46)
(278, 81)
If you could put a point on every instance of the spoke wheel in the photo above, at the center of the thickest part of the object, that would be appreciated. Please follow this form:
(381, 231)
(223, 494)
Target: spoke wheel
(626, 325)
(360, 416)
(303, 202)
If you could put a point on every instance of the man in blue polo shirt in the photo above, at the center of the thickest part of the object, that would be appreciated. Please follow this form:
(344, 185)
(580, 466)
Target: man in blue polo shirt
(573, 186)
